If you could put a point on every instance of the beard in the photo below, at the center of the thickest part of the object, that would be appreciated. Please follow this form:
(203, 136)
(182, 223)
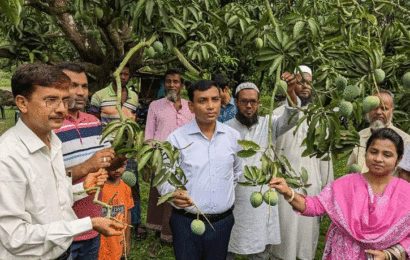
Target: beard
(172, 96)
(306, 100)
(377, 124)
(247, 121)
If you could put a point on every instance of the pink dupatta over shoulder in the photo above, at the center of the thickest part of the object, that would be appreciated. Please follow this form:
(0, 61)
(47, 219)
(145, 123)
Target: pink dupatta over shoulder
(361, 219)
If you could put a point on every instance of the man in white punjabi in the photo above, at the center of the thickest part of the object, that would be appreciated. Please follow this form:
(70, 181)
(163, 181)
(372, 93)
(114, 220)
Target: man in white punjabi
(254, 231)
(300, 234)
(210, 162)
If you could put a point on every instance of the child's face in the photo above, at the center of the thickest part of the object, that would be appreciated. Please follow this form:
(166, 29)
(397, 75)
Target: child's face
(404, 175)
(117, 173)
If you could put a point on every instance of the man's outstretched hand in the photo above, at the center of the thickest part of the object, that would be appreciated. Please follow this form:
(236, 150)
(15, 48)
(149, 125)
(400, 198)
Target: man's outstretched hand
(101, 159)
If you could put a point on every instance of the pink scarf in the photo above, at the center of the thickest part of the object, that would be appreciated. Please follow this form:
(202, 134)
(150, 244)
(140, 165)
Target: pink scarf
(375, 221)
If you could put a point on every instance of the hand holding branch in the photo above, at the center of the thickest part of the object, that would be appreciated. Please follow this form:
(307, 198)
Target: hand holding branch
(181, 199)
(95, 179)
(298, 202)
(107, 227)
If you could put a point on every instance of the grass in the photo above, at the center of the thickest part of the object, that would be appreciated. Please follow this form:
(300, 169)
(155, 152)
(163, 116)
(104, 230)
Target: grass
(140, 250)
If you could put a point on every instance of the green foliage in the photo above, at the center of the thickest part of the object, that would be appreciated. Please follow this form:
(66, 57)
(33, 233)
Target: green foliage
(12, 9)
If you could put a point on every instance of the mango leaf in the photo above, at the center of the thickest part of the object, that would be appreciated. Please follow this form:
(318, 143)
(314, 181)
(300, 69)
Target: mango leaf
(246, 153)
(292, 183)
(161, 178)
(12, 9)
(287, 162)
(166, 197)
(246, 144)
(305, 176)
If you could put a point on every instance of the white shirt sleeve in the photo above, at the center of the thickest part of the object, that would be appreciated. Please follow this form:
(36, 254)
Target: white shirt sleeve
(18, 235)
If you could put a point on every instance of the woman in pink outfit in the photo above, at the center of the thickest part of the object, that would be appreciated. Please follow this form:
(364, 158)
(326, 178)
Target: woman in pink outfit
(370, 212)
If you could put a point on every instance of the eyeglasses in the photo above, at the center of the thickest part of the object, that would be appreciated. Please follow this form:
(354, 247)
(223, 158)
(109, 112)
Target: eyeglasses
(54, 103)
(245, 102)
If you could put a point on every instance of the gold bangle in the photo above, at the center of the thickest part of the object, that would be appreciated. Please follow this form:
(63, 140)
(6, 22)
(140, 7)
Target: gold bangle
(386, 256)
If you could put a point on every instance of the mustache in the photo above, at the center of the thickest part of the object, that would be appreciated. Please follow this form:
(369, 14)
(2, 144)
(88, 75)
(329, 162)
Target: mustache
(73, 102)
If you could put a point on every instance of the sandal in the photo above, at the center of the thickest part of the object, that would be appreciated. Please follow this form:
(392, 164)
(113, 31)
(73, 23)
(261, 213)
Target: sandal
(141, 233)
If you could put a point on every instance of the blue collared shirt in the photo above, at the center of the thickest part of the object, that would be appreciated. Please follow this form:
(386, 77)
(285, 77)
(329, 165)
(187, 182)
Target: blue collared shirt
(228, 112)
(211, 166)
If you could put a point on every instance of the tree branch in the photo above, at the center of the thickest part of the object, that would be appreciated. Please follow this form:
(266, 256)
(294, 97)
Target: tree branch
(115, 40)
(158, 62)
(48, 9)
(404, 10)
(87, 47)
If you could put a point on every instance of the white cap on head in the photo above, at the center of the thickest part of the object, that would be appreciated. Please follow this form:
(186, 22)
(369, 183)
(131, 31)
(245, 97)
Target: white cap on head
(405, 161)
(246, 85)
(304, 69)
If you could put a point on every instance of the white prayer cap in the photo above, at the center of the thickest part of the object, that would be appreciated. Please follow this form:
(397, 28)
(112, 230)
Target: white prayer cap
(246, 85)
(405, 161)
(304, 69)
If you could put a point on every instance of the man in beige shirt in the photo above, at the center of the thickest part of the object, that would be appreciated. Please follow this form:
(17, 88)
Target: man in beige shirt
(378, 118)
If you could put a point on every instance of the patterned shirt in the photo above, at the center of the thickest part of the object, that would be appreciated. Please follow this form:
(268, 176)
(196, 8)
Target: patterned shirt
(105, 101)
(228, 112)
(81, 139)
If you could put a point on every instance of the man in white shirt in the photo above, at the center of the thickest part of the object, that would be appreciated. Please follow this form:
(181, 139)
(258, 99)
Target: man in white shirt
(36, 195)
(256, 229)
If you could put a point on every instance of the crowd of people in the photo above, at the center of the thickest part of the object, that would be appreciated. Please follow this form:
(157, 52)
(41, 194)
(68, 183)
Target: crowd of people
(53, 160)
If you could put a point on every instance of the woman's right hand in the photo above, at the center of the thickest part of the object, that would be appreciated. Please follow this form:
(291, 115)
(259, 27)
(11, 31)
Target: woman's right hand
(280, 185)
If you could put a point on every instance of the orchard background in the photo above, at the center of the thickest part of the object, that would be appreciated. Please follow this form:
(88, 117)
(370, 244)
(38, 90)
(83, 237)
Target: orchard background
(253, 40)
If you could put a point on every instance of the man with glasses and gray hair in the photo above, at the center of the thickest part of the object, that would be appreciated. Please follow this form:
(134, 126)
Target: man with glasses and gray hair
(255, 230)
(378, 118)
(36, 195)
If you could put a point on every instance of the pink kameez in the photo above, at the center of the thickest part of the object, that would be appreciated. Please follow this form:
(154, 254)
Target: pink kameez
(362, 219)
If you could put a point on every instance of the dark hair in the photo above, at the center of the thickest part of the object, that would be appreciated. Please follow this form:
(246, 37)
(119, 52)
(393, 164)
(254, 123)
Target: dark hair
(71, 66)
(201, 85)
(390, 134)
(117, 63)
(173, 72)
(221, 81)
(40, 74)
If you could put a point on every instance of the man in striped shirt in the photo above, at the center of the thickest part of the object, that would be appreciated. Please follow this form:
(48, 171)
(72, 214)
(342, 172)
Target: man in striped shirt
(103, 106)
(83, 154)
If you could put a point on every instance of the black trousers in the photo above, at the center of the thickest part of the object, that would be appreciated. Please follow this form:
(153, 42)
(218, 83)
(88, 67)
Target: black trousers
(212, 245)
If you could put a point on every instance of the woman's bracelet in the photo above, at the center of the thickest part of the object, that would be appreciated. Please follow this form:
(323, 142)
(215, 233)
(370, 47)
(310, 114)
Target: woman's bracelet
(388, 255)
(398, 251)
(395, 252)
(292, 197)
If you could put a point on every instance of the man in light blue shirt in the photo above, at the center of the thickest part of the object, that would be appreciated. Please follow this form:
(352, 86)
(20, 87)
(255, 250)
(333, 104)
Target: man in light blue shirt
(212, 168)
(228, 107)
